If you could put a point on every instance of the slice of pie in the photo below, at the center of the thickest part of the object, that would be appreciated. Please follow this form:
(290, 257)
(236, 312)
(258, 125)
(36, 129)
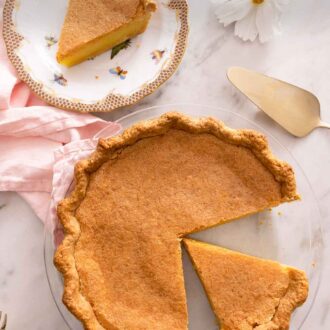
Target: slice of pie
(246, 292)
(134, 199)
(93, 26)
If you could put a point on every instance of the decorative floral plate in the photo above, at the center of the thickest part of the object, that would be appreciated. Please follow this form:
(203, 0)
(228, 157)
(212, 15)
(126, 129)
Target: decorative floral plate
(119, 77)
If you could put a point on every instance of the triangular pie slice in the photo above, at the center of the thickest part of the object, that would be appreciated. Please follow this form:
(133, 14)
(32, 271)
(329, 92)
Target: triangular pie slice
(134, 199)
(93, 26)
(246, 292)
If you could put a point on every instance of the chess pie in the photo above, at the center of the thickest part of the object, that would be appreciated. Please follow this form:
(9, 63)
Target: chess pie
(246, 292)
(93, 26)
(138, 195)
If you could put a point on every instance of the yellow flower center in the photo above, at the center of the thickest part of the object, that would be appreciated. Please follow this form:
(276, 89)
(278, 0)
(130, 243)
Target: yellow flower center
(257, 2)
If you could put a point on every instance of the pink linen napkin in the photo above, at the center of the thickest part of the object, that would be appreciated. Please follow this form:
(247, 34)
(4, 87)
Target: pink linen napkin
(40, 144)
(34, 140)
(65, 159)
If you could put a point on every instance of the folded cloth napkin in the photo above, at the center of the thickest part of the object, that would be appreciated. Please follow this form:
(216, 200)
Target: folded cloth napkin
(34, 140)
(39, 144)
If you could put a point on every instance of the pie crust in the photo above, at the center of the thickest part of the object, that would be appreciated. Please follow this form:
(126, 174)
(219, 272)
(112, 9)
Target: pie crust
(135, 198)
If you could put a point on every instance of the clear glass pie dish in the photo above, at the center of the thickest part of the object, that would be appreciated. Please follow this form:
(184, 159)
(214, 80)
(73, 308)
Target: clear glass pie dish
(290, 233)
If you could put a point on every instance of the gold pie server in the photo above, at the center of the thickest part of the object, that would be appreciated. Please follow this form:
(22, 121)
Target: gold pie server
(294, 108)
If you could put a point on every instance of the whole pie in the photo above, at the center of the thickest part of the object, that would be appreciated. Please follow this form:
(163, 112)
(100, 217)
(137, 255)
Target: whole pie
(134, 200)
(247, 292)
(93, 26)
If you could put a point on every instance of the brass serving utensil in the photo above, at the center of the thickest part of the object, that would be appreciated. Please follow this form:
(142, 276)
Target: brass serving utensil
(294, 108)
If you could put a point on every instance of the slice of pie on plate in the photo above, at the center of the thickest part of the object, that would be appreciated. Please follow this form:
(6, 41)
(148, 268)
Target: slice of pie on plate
(246, 292)
(135, 198)
(93, 26)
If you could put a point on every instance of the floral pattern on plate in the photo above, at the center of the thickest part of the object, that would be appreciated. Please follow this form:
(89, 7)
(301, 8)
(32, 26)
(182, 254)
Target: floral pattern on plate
(118, 71)
(157, 55)
(50, 41)
(59, 78)
(124, 45)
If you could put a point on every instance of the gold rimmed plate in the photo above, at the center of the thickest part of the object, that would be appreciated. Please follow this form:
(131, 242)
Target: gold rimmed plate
(112, 80)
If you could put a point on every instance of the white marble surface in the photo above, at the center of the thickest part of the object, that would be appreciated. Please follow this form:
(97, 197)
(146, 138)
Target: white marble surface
(300, 55)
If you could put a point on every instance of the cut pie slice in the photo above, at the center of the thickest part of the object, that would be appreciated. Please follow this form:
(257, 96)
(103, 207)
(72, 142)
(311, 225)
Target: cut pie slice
(94, 26)
(246, 292)
(134, 199)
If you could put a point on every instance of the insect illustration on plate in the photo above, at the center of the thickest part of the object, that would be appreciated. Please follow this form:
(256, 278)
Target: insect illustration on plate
(157, 55)
(118, 71)
(59, 78)
(51, 41)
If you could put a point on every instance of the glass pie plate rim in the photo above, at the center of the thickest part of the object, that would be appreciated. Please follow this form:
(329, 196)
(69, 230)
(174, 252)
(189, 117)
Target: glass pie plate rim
(316, 237)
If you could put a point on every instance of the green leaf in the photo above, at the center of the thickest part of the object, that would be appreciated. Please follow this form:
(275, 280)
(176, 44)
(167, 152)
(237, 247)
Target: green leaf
(118, 48)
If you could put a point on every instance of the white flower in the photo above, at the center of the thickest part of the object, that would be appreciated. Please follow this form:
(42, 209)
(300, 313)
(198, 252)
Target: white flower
(252, 17)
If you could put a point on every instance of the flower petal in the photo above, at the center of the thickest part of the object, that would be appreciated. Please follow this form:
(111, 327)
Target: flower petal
(279, 4)
(246, 28)
(267, 20)
(229, 11)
